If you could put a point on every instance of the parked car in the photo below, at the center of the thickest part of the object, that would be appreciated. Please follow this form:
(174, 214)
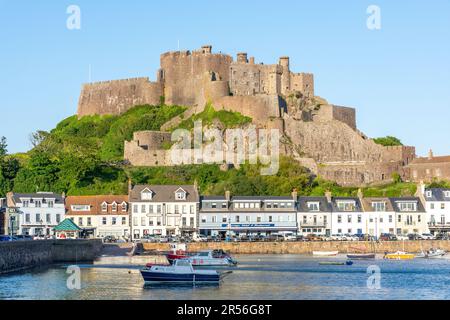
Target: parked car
(336, 237)
(442, 236)
(414, 236)
(313, 237)
(39, 237)
(402, 237)
(6, 238)
(349, 237)
(163, 240)
(427, 236)
(109, 239)
(199, 238)
(24, 238)
(388, 237)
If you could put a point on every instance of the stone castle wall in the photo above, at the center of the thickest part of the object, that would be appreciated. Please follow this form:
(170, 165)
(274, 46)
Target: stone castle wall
(117, 96)
(328, 113)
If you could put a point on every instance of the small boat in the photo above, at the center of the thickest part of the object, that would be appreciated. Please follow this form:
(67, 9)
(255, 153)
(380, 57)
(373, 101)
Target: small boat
(211, 258)
(432, 253)
(325, 253)
(181, 271)
(399, 255)
(336, 263)
(361, 256)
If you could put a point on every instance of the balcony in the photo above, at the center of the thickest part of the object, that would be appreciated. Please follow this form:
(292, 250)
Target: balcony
(312, 224)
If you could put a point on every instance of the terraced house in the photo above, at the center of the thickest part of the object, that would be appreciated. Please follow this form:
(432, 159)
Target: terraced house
(314, 216)
(410, 215)
(163, 210)
(379, 216)
(247, 215)
(437, 205)
(347, 216)
(100, 216)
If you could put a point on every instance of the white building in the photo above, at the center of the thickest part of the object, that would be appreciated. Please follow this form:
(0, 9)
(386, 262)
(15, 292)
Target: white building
(437, 206)
(38, 213)
(247, 215)
(163, 210)
(379, 216)
(100, 216)
(314, 216)
(410, 215)
(347, 216)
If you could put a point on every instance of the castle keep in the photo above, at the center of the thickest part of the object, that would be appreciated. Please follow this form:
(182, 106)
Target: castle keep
(322, 136)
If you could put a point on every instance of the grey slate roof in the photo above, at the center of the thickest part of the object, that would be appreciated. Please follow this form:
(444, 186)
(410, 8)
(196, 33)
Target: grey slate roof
(324, 206)
(394, 201)
(358, 207)
(164, 193)
(437, 194)
(39, 195)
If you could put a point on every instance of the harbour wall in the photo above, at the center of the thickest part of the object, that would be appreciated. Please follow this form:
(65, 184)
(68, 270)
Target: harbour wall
(21, 255)
(309, 247)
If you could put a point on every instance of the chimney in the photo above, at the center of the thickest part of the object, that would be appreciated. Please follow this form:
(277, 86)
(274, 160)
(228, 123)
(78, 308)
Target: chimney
(294, 194)
(360, 194)
(430, 154)
(420, 188)
(251, 60)
(130, 186)
(228, 195)
(328, 195)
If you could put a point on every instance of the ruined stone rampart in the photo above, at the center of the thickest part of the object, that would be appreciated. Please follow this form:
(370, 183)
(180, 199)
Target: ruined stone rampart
(117, 96)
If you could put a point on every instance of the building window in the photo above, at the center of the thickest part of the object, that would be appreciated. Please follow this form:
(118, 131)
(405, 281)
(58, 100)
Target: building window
(58, 218)
(419, 218)
(390, 218)
(313, 206)
(124, 220)
(80, 221)
(135, 221)
(143, 221)
(183, 221)
(48, 218)
(89, 221)
(346, 205)
(135, 208)
(37, 203)
(315, 220)
(379, 206)
(237, 218)
(339, 231)
(27, 218)
(143, 208)
(325, 220)
(181, 196)
(399, 218)
(224, 219)
(213, 219)
(247, 218)
(305, 219)
(203, 219)
(339, 219)
(114, 207)
(146, 194)
(114, 221)
(270, 218)
(214, 205)
(124, 207)
(349, 219)
(359, 218)
(258, 219)
(38, 217)
(192, 222)
(50, 204)
(442, 206)
(431, 205)
(104, 221)
(158, 208)
(407, 206)
(25, 203)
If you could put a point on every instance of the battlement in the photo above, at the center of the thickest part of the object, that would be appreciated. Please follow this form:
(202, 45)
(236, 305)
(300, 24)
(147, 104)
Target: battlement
(108, 82)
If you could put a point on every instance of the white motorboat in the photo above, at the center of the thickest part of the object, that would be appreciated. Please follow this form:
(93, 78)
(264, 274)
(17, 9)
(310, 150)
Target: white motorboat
(325, 253)
(211, 258)
(181, 271)
(432, 253)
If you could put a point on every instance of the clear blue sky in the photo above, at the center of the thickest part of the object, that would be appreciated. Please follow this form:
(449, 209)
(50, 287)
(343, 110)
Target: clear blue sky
(398, 78)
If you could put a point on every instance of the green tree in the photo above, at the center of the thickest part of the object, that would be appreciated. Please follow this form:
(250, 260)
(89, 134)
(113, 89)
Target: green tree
(388, 141)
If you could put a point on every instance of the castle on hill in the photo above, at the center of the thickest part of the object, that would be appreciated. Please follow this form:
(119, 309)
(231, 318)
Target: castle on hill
(323, 137)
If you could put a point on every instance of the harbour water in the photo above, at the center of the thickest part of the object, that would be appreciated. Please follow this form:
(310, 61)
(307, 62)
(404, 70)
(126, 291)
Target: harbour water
(256, 277)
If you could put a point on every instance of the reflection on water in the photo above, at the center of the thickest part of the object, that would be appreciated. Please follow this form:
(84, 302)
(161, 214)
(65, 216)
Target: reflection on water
(256, 277)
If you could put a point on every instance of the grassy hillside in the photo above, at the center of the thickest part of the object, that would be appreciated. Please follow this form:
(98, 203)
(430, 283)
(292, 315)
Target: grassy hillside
(84, 157)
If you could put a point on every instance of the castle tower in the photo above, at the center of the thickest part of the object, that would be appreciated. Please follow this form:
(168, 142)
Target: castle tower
(242, 57)
(285, 76)
(207, 49)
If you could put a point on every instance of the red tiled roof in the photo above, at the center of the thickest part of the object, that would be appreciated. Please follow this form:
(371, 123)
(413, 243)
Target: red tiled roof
(425, 160)
(95, 204)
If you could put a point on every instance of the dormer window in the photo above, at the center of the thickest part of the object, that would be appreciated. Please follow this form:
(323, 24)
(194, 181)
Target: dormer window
(429, 194)
(407, 206)
(447, 194)
(124, 206)
(180, 194)
(147, 194)
(379, 206)
(114, 206)
(346, 205)
(104, 207)
(313, 206)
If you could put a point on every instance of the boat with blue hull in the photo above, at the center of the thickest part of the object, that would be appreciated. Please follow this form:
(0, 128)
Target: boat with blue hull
(181, 271)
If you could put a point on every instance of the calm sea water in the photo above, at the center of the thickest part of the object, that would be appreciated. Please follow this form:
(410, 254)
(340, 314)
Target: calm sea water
(256, 277)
